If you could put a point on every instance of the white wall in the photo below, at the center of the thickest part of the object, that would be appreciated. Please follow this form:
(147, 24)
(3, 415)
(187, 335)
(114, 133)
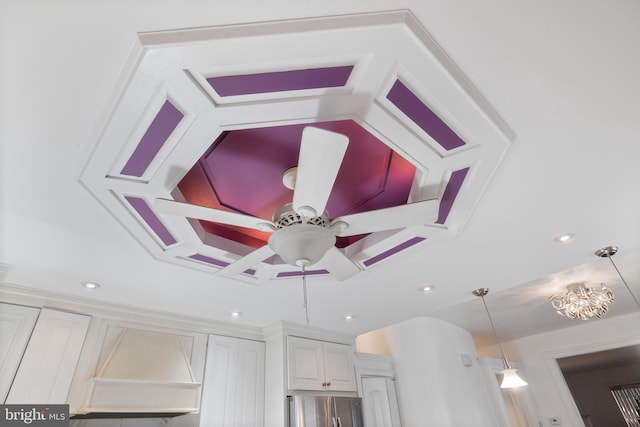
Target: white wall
(433, 386)
(537, 355)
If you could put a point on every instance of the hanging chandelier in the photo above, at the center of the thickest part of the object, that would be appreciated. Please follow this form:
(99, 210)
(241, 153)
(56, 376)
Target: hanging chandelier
(583, 302)
(510, 377)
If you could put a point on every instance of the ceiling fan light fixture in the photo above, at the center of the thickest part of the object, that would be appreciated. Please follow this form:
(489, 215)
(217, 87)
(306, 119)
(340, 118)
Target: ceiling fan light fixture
(302, 244)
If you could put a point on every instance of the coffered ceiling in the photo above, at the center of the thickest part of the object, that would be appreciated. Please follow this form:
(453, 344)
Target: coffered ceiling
(520, 120)
(219, 118)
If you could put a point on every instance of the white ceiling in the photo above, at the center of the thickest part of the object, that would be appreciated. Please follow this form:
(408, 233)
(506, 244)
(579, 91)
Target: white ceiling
(562, 75)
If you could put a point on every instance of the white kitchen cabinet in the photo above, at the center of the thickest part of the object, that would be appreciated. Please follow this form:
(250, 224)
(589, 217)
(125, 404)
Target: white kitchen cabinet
(50, 359)
(320, 365)
(233, 389)
(376, 378)
(379, 402)
(16, 324)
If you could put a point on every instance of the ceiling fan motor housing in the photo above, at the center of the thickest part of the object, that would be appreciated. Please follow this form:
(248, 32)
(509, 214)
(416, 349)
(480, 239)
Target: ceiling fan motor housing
(286, 216)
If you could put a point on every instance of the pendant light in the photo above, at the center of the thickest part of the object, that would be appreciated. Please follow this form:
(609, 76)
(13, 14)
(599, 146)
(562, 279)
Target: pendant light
(609, 252)
(510, 377)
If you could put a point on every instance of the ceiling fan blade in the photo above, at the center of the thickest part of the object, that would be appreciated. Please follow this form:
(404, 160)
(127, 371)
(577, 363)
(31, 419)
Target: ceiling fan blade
(339, 265)
(321, 154)
(418, 213)
(175, 207)
(246, 262)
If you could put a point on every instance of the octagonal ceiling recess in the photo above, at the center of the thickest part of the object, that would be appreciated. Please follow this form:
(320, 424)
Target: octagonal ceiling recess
(214, 117)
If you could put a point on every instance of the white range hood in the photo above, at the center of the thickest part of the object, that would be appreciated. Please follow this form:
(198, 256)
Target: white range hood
(145, 374)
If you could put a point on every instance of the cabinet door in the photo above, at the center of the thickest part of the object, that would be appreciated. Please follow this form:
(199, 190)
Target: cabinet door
(339, 369)
(16, 324)
(379, 402)
(50, 359)
(306, 364)
(233, 389)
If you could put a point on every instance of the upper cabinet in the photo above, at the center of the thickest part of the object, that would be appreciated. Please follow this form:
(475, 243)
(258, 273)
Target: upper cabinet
(379, 402)
(320, 365)
(233, 391)
(16, 324)
(376, 380)
(50, 359)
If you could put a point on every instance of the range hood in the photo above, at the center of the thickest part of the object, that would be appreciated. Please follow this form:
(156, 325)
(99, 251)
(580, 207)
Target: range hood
(145, 374)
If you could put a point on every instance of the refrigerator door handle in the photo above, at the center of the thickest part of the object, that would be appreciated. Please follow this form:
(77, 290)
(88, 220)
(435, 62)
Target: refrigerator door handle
(333, 422)
(339, 422)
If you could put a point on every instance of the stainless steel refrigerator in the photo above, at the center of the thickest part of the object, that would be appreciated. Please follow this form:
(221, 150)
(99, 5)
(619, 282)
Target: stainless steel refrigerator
(325, 411)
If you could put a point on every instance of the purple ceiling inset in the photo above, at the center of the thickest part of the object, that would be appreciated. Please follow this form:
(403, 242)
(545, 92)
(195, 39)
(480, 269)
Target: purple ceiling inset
(299, 273)
(208, 260)
(394, 250)
(154, 138)
(402, 97)
(216, 262)
(242, 172)
(281, 81)
(151, 219)
(450, 194)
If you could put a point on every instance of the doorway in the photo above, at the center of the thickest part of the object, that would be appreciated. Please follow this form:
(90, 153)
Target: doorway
(591, 379)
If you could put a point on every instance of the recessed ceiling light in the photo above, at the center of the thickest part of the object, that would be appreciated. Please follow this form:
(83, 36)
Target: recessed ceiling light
(564, 237)
(427, 288)
(236, 314)
(348, 316)
(91, 285)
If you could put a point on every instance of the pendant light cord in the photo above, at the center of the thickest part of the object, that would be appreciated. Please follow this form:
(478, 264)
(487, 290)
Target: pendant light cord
(624, 281)
(493, 328)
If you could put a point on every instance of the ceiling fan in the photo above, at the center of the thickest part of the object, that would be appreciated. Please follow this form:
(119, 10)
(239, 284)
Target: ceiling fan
(302, 233)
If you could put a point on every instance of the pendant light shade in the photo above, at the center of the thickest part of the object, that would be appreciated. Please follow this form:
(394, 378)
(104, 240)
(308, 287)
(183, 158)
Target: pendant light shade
(510, 377)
